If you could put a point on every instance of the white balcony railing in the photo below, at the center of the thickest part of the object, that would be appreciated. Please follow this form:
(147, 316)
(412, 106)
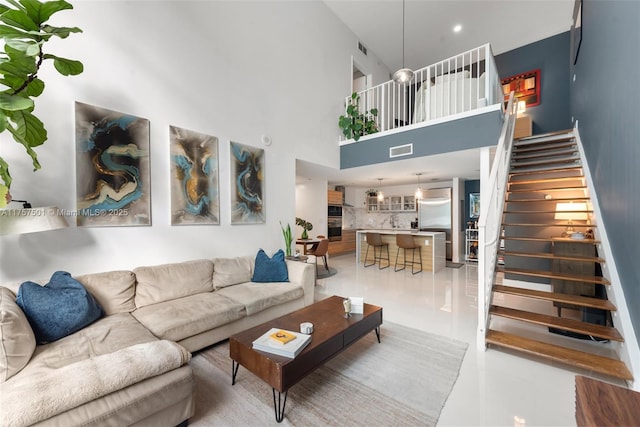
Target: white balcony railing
(462, 83)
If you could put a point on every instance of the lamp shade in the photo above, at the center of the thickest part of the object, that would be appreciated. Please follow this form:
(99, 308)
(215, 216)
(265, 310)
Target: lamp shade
(403, 76)
(571, 211)
(22, 221)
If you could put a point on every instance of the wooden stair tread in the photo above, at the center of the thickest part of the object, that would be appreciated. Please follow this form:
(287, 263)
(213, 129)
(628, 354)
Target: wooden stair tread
(541, 171)
(600, 403)
(605, 332)
(548, 239)
(542, 190)
(559, 199)
(559, 276)
(517, 165)
(543, 180)
(563, 224)
(543, 139)
(543, 154)
(535, 148)
(547, 255)
(526, 212)
(601, 304)
(592, 362)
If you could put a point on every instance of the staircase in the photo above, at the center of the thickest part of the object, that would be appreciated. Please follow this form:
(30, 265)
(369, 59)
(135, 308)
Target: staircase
(561, 313)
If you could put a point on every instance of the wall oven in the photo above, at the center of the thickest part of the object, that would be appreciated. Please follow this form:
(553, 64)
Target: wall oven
(334, 229)
(334, 211)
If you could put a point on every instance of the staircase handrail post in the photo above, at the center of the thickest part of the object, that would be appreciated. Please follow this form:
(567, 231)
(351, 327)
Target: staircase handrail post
(492, 197)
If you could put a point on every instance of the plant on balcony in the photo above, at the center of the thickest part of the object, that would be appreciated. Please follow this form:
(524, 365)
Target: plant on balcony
(24, 32)
(356, 124)
(306, 226)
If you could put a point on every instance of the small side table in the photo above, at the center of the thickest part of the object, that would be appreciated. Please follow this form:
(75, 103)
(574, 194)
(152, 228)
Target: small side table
(301, 258)
(523, 128)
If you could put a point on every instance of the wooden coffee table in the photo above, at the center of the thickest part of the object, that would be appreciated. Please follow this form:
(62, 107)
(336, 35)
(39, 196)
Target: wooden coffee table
(332, 333)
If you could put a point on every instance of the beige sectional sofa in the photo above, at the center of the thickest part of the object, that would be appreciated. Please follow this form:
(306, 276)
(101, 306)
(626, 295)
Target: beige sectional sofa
(131, 367)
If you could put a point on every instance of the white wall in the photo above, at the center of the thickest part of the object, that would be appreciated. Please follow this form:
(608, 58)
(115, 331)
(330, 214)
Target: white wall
(236, 70)
(311, 205)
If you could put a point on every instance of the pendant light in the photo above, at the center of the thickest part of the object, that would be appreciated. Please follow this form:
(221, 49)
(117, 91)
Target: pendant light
(418, 194)
(403, 75)
(380, 195)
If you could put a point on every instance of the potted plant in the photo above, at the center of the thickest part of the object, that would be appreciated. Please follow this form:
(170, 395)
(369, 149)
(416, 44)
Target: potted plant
(306, 226)
(288, 238)
(26, 37)
(371, 192)
(356, 124)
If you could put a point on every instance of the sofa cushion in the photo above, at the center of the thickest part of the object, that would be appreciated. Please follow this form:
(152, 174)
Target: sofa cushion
(59, 308)
(231, 271)
(260, 296)
(114, 290)
(166, 282)
(182, 318)
(17, 340)
(268, 270)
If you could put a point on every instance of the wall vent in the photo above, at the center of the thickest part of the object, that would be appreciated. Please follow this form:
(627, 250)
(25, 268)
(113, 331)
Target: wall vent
(401, 150)
(362, 48)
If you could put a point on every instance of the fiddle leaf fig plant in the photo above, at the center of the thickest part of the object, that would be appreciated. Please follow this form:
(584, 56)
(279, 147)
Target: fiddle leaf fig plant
(356, 124)
(25, 32)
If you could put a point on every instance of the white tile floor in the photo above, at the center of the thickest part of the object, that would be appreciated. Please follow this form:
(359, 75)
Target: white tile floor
(494, 388)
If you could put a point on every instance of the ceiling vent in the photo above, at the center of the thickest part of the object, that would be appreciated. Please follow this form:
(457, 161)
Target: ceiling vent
(362, 48)
(401, 150)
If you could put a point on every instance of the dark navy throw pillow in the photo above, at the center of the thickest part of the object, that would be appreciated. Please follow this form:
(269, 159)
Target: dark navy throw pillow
(270, 269)
(59, 308)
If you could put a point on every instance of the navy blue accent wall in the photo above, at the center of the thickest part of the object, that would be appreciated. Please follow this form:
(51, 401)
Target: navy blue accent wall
(550, 55)
(476, 131)
(604, 100)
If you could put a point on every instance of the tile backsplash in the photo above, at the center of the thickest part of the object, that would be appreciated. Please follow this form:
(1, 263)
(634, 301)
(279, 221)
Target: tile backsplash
(359, 218)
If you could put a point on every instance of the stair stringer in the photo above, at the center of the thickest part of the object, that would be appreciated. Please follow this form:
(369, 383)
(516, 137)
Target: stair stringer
(629, 350)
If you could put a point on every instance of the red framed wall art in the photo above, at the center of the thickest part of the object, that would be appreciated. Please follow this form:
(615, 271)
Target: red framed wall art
(526, 87)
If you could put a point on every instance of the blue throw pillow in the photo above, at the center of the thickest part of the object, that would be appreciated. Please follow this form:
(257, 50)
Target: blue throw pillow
(59, 308)
(270, 269)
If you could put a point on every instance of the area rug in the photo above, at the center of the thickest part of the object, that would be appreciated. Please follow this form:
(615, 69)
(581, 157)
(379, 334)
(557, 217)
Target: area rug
(323, 273)
(451, 264)
(403, 381)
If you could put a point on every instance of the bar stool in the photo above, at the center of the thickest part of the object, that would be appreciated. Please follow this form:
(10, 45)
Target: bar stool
(405, 241)
(375, 240)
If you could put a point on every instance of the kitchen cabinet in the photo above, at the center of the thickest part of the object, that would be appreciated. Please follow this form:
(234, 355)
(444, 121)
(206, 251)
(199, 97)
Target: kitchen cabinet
(391, 204)
(346, 244)
(334, 197)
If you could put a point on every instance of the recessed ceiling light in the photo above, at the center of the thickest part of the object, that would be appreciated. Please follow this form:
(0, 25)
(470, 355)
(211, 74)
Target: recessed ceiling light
(457, 28)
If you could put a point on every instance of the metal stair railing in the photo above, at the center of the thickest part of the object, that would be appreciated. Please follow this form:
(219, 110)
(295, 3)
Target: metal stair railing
(492, 195)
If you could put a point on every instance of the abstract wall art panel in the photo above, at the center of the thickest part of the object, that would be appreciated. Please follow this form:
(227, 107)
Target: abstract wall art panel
(195, 192)
(247, 184)
(112, 168)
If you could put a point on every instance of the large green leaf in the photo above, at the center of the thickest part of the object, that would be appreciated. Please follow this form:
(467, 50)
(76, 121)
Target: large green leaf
(4, 172)
(20, 139)
(14, 102)
(62, 32)
(66, 67)
(19, 19)
(3, 121)
(7, 32)
(41, 12)
(29, 129)
(29, 48)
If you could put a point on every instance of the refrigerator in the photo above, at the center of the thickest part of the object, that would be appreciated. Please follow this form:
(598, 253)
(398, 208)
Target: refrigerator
(434, 213)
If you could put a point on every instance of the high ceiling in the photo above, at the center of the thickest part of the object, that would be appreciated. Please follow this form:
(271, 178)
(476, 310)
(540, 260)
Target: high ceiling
(428, 38)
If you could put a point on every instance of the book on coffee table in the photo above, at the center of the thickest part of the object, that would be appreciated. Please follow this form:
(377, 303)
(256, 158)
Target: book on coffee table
(289, 349)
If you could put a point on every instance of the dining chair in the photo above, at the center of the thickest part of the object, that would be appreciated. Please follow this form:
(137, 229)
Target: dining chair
(320, 252)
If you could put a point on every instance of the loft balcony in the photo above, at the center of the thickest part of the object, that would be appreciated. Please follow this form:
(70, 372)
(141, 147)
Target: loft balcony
(452, 105)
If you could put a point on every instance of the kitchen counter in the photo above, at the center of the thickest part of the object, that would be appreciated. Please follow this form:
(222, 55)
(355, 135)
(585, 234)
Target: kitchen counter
(432, 243)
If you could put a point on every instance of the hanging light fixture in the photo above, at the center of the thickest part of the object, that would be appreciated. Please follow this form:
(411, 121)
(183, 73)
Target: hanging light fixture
(380, 195)
(418, 194)
(403, 75)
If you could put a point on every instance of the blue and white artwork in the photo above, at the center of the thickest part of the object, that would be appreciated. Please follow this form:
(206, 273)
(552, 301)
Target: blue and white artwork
(112, 168)
(247, 184)
(195, 193)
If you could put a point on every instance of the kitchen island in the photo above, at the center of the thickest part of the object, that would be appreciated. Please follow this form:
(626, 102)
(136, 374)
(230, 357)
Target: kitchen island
(432, 243)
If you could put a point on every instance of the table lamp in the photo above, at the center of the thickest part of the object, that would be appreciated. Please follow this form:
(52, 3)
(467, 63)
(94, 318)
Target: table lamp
(571, 212)
(31, 220)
